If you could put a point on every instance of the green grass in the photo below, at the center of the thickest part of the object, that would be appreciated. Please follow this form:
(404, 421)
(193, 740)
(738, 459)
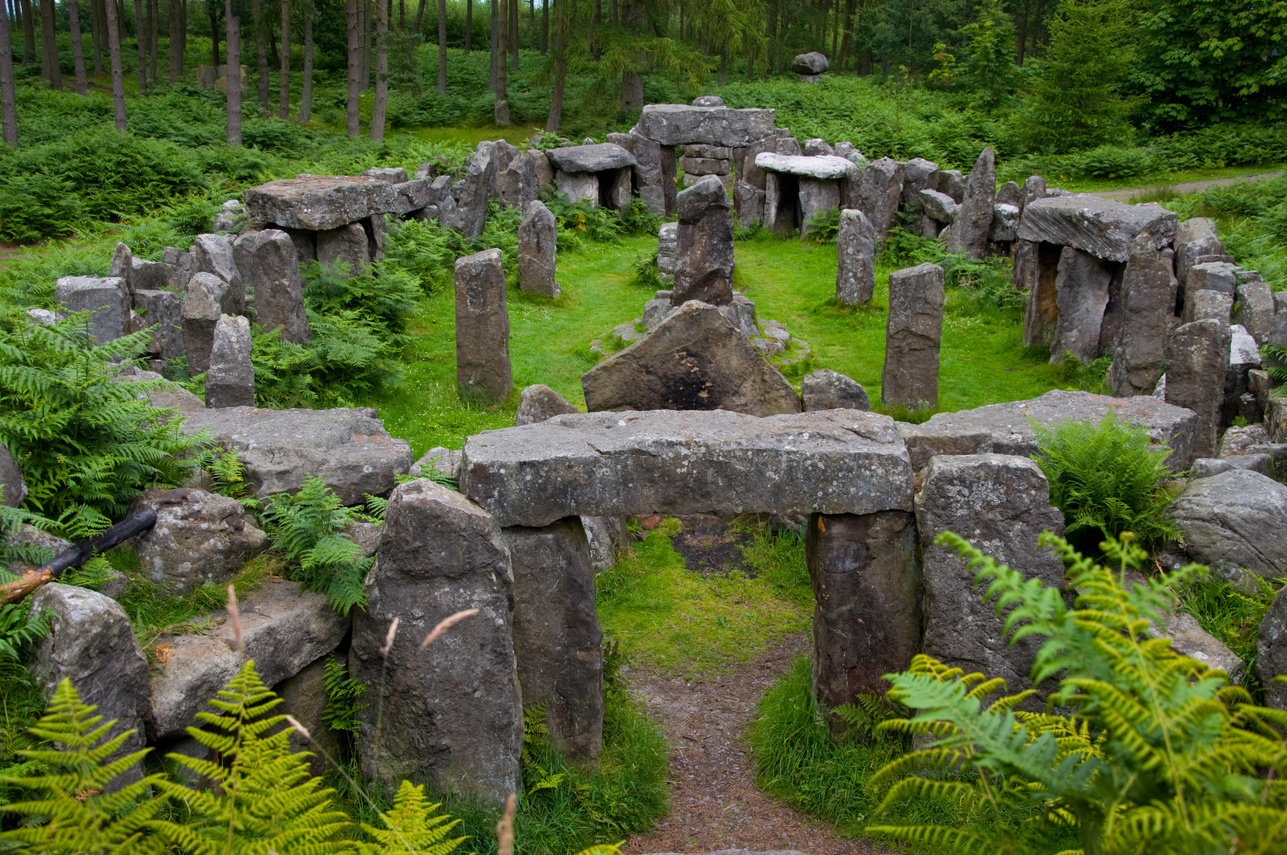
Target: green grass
(1233, 616)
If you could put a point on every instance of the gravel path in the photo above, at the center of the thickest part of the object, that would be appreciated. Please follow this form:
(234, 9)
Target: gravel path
(1190, 187)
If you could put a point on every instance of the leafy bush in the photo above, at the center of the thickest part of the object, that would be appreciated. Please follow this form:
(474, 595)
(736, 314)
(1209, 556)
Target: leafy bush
(1105, 479)
(823, 226)
(1151, 751)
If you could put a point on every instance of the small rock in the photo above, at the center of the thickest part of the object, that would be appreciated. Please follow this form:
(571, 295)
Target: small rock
(829, 390)
(538, 403)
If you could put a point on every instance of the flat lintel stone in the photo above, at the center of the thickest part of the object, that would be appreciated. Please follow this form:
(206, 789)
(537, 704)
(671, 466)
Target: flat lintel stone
(684, 124)
(676, 462)
(591, 158)
(823, 167)
(320, 202)
(1103, 227)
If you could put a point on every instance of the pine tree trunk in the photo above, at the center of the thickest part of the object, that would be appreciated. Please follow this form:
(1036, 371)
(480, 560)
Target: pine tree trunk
(560, 69)
(78, 49)
(469, 25)
(512, 41)
(545, 27)
(49, 41)
(635, 18)
(232, 51)
(214, 36)
(140, 42)
(28, 33)
(154, 38)
(96, 32)
(111, 24)
(723, 68)
(8, 92)
(355, 77)
(178, 39)
(402, 16)
(502, 79)
(261, 54)
(283, 97)
(495, 40)
(420, 14)
(442, 46)
(306, 92)
(596, 25)
(381, 106)
(365, 30)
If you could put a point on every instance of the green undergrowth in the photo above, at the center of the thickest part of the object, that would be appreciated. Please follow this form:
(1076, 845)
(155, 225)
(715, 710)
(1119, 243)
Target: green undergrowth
(1233, 615)
(683, 623)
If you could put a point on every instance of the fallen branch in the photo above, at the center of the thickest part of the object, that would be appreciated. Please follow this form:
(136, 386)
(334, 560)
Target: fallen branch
(76, 555)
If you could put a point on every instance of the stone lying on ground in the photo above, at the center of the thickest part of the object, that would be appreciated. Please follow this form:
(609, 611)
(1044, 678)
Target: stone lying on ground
(623, 464)
(704, 254)
(443, 461)
(348, 448)
(682, 124)
(1234, 521)
(270, 269)
(459, 719)
(694, 360)
(13, 489)
(913, 334)
(283, 630)
(810, 63)
(482, 327)
(538, 403)
(1001, 505)
(91, 643)
(537, 251)
(1190, 639)
(856, 249)
(1007, 428)
(230, 379)
(1205, 467)
(1271, 652)
(1103, 227)
(319, 202)
(973, 219)
(829, 390)
(199, 538)
(106, 297)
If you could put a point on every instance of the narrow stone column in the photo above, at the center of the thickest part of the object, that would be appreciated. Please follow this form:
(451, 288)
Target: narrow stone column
(482, 327)
(230, 380)
(1081, 289)
(913, 334)
(1148, 304)
(705, 265)
(537, 251)
(1197, 359)
(856, 258)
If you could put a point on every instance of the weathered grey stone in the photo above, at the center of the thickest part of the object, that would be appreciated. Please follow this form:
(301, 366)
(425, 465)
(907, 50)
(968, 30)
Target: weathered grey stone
(1197, 358)
(199, 538)
(444, 461)
(681, 124)
(538, 403)
(231, 217)
(879, 189)
(270, 269)
(817, 147)
(668, 250)
(579, 187)
(866, 583)
(1000, 504)
(937, 206)
(213, 254)
(1007, 428)
(1194, 238)
(1254, 305)
(810, 63)
(319, 202)
(607, 536)
(1207, 305)
(951, 183)
(537, 249)
(1081, 286)
(1212, 276)
(283, 629)
(472, 192)
(1191, 640)
(705, 251)
(1033, 188)
(348, 448)
(201, 312)
(706, 165)
(387, 174)
(347, 244)
(694, 360)
(1205, 467)
(414, 195)
(518, 183)
(1148, 301)
(1239, 440)
(1234, 521)
(856, 249)
(304, 698)
(918, 175)
(623, 464)
(105, 297)
(459, 720)
(1243, 358)
(557, 639)
(230, 379)
(91, 643)
(849, 152)
(825, 389)
(13, 489)
(504, 154)
(122, 264)
(1005, 223)
(1010, 194)
(973, 218)
(161, 311)
(820, 167)
(591, 158)
(482, 327)
(913, 334)
(1271, 652)
(1105, 228)
(647, 170)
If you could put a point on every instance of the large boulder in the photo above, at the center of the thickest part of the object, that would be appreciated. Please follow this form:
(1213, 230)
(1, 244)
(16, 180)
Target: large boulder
(1103, 227)
(214, 254)
(856, 249)
(92, 644)
(1234, 521)
(694, 360)
(591, 158)
(472, 192)
(13, 489)
(319, 202)
(704, 269)
(1001, 505)
(973, 219)
(162, 313)
(913, 334)
(1147, 306)
(623, 464)
(829, 390)
(810, 63)
(537, 251)
(348, 448)
(683, 124)
(105, 297)
(269, 267)
(482, 327)
(458, 719)
(199, 538)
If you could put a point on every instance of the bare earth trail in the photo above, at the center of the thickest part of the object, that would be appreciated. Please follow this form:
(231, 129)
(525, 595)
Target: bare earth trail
(1127, 194)
(715, 804)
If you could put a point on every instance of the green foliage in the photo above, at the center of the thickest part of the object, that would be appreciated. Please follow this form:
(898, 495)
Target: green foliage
(1232, 615)
(823, 226)
(413, 826)
(311, 528)
(1275, 361)
(989, 66)
(988, 281)
(1104, 478)
(1150, 751)
(86, 444)
(342, 693)
(227, 475)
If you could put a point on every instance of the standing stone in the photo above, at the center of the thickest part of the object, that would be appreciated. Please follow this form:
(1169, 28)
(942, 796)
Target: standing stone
(1034, 188)
(1197, 358)
(1148, 302)
(1000, 504)
(161, 311)
(105, 296)
(482, 327)
(214, 254)
(867, 585)
(230, 380)
(538, 403)
(305, 699)
(816, 197)
(1254, 305)
(918, 175)
(879, 191)
(537, 248)
(973, 220)
(1207, 303)
(913, 334)
(458, 719)
(200, 314)
(472, 191)
(856, 249)
(668, 251)
(1194, 239)
(1081, 288)
(270, 269)
(825, 389)
(122, 264)
(705, 268)
(13, 489)
(92, 644)
(1271, 652)
(557, 639)
(347, 244)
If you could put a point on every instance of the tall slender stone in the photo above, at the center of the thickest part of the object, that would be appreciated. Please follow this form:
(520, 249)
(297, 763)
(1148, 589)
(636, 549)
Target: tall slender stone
(879, 190)
(1081, 287)
(856, 251)
(200, 312)
(269, 267)
(230, 380)
(482, 327)
(913, 334)
(973, 219)
(537, 248)
(705, 268)
(1148, 303)
(1197, 359)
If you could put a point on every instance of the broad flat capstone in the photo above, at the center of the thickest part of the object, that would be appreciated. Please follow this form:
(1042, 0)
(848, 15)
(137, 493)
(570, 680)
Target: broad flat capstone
(1103, 227)
(694, 360)
(683, 124)
(591, 158)
(623, 464)
(348, 448)
(822, 167)
(320, 202)
(1007, 428)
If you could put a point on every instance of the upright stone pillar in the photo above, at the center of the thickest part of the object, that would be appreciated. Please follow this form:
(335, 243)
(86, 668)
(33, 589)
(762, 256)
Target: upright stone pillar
(557, 639)
(452, 713)
(705, 268)
(867, 584)
(269, 268)
(537, 251)
(200, 312)
(482, 327)
(1197, 358)
(106, 297)
(1148, 304)
(856, 254)
(913, 334)
(968, 233)
(1081, 289)
(879, 190)
(230, 380)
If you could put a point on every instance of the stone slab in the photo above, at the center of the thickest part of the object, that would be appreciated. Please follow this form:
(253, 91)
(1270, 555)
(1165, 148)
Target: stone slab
(1102, 227)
